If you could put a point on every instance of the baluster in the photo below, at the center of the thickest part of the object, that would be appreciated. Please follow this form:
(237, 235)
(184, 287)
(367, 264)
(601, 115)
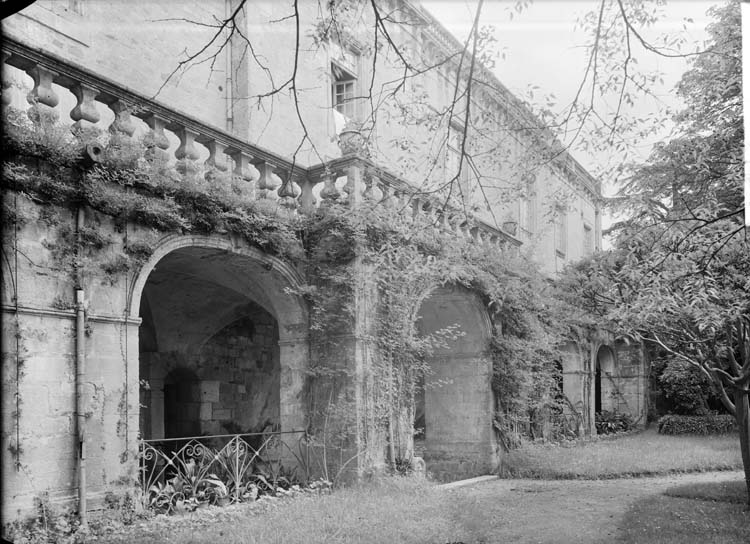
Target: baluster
(216, 161)
(427, 212)
(268, 180)
(464, 229)
(288, 192)
(329, 194)
(416, 208)
(495, 240)
(451, 222)
(123, 125)
(367, 180)
(307, 198)
(387, 198)
(476, 234)
(42, 97)
(403, 200)
(186, 153)
(442, 219)
(85, 113)
(353, 186)
(244, 172)
(156, 141)
(8, 82)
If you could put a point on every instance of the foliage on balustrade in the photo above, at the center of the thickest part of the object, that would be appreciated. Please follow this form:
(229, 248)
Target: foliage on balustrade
(182, 476)
(132, 183)
(402, 256)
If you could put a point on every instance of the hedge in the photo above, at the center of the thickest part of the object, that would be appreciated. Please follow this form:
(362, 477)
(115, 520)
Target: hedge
(711, 424)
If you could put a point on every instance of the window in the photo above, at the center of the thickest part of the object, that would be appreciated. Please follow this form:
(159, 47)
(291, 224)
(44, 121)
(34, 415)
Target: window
(343, 91)
(588, 240)
(344, 73)
(561, 234)
(527, 209)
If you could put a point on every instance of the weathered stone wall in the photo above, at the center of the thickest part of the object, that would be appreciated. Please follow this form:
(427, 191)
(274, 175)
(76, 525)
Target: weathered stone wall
(39, 435)
(39, 366)
(243, 360)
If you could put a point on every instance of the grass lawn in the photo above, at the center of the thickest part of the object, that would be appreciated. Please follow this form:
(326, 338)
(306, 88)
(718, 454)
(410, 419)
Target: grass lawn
(579, 505)
(641, 454)
(734, 491)
(674, 520)
(395, 510)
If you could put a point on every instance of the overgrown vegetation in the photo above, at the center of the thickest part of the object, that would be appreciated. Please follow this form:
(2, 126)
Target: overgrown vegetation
(677, 275)
(613, 422)
(375, 252)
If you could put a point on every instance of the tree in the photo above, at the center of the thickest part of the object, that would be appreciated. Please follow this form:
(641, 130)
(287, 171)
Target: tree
(678, 275)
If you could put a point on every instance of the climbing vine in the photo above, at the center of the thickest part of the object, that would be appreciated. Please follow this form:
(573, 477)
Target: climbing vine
(373, 254)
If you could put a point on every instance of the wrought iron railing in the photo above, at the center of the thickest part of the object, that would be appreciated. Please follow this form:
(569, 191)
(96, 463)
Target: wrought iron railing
(221, 468)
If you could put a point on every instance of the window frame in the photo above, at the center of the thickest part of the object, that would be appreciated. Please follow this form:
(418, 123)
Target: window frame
(561, 232)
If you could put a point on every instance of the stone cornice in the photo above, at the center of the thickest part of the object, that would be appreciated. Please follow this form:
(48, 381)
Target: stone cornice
(564, 161)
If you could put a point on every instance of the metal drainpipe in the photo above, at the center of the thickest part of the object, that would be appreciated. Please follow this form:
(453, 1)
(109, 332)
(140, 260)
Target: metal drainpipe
(80, 379)
(90, 155)
(228, 74)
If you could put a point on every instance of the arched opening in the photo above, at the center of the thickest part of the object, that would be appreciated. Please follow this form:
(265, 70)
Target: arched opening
(454, 408)
(218, 333)
(604, 376)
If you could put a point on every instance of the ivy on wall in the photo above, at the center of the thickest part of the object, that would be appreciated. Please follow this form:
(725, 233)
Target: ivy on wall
(370, 254)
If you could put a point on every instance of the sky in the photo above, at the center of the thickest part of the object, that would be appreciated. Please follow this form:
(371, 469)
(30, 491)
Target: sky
(543, 48)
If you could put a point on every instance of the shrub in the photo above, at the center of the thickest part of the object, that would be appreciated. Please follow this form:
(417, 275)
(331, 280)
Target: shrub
(687, 391)
(613, 422)
(708, 424)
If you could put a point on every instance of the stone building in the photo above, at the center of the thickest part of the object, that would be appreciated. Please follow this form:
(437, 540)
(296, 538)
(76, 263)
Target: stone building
(210, 323)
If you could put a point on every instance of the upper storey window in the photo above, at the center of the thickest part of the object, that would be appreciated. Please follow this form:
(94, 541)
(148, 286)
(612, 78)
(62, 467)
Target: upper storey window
(343, 90)
(527, 209)
(344, 74)
(561, 232)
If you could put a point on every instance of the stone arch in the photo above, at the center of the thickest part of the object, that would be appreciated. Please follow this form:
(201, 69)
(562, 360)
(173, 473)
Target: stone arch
(285, 275)
(457, 404)
(574, 373)
(604, 380)
(225, 311)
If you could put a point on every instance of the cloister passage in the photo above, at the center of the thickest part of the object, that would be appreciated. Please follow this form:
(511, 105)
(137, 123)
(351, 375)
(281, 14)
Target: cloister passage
(215, 345)
(604, 376)
(454, 410)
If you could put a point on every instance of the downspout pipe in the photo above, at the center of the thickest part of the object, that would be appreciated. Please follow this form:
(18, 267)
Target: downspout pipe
(228, 81)
(81, 378)
(90, 155)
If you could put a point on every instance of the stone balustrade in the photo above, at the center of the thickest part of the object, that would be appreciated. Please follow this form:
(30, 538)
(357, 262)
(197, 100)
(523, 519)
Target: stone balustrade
(351, 179)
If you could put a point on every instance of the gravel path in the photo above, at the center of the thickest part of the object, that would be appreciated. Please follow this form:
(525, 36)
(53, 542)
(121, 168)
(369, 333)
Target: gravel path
(558, 511)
